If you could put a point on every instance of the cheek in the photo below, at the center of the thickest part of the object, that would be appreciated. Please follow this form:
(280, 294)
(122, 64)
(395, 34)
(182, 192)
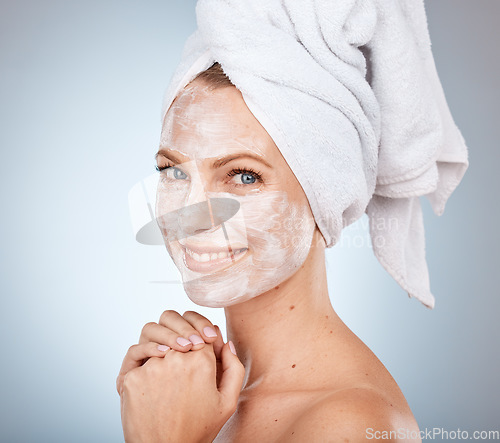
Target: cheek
(295, 227)
(277, 225)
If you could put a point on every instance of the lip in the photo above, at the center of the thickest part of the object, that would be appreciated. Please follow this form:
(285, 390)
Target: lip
(232, 256)
(203, 248)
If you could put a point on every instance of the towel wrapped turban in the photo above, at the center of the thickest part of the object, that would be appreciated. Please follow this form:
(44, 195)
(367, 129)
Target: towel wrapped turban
(349, 92)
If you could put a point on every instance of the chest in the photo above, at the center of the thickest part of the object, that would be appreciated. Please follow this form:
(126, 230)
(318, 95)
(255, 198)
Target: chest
(265, 418)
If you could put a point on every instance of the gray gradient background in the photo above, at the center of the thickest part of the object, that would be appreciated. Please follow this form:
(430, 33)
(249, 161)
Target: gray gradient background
(80, 94)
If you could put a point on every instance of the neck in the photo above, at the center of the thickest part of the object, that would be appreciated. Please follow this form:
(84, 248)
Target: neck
(283, 328)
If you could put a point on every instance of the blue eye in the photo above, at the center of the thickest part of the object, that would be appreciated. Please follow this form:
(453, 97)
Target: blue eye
(241, 177)
(247, 179)
(172, 173)
(178, 174)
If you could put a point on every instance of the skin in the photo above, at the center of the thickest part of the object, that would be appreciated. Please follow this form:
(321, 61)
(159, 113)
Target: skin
(210, 139)
(304, 376)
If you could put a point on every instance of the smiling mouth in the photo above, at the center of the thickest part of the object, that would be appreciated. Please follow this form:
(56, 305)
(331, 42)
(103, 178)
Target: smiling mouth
(205, 260)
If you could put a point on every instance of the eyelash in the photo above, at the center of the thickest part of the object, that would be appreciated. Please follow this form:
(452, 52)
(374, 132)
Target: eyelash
(250, 171)
(162, 168)
(232, 173)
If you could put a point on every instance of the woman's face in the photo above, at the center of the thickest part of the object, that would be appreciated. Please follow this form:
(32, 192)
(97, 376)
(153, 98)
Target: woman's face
(234, 218)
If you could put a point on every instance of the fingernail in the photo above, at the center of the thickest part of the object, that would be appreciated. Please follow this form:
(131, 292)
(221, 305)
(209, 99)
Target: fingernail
(196, 339)
(163, 348)
(209, 332)
(231, 346)
(182, 341)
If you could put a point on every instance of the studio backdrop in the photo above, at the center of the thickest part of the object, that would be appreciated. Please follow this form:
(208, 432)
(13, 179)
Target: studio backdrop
(81, 87)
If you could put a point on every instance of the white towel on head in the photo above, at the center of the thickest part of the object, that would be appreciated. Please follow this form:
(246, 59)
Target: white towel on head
(349, 92)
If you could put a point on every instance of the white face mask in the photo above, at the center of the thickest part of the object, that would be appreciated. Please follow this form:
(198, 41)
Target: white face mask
(231, 234)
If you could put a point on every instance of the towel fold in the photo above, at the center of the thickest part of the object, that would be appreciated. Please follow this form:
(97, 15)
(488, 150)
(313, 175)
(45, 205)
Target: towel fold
(349, 92)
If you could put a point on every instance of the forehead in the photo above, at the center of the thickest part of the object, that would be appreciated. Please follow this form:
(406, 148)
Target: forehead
(208, 123)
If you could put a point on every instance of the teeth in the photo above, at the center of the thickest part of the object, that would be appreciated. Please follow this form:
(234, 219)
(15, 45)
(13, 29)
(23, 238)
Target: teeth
(206, 257)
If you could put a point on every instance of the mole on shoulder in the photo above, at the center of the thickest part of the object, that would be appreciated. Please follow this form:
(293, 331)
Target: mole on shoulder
(291, 307)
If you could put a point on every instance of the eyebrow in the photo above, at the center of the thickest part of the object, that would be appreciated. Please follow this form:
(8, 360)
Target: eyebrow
(225, 160)
(167, 154)
(217, 163)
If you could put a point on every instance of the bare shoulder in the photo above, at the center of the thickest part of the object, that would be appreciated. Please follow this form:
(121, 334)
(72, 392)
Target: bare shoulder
(352, 415)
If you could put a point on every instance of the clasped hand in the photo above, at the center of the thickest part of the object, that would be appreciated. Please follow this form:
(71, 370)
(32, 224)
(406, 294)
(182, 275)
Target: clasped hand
(184, 391)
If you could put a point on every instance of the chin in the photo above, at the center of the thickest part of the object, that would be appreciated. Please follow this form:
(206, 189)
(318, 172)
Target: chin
(219, 293)
(236, 286)
(222, 294)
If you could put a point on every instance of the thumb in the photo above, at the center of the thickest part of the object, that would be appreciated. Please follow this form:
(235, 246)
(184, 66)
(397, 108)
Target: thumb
(233, 373)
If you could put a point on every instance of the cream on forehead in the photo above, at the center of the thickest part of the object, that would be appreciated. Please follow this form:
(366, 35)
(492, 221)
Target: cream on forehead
(204, 123)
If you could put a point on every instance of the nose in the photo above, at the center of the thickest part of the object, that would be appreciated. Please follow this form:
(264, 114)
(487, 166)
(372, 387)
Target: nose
(200, 217)
(198, 213)
(197, 193)
(194, 217)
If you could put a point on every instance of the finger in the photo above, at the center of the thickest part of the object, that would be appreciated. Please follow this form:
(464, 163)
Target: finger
(135, 357)
(218, 343)
(202, 324)
(233, 373)
(191, 326)
(153, 332)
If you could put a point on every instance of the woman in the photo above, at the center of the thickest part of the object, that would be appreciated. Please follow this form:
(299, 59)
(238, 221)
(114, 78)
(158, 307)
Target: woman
(304, 376)
(329, 109)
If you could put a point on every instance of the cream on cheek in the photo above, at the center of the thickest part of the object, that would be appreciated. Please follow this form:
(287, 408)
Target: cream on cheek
(275, 234)
(264, 237)
(278, 235)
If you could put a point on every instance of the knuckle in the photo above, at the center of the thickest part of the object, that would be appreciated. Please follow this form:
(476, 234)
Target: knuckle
(242, 374)
(132, 349)
(191, 317)
(194, 316)
(119, 384)
(129, 379)
(147, 326)
(229, 406)
(232, 406)
(166, 315)
(192, 361)
(206, 359)
(152, 366)
(152, 370)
